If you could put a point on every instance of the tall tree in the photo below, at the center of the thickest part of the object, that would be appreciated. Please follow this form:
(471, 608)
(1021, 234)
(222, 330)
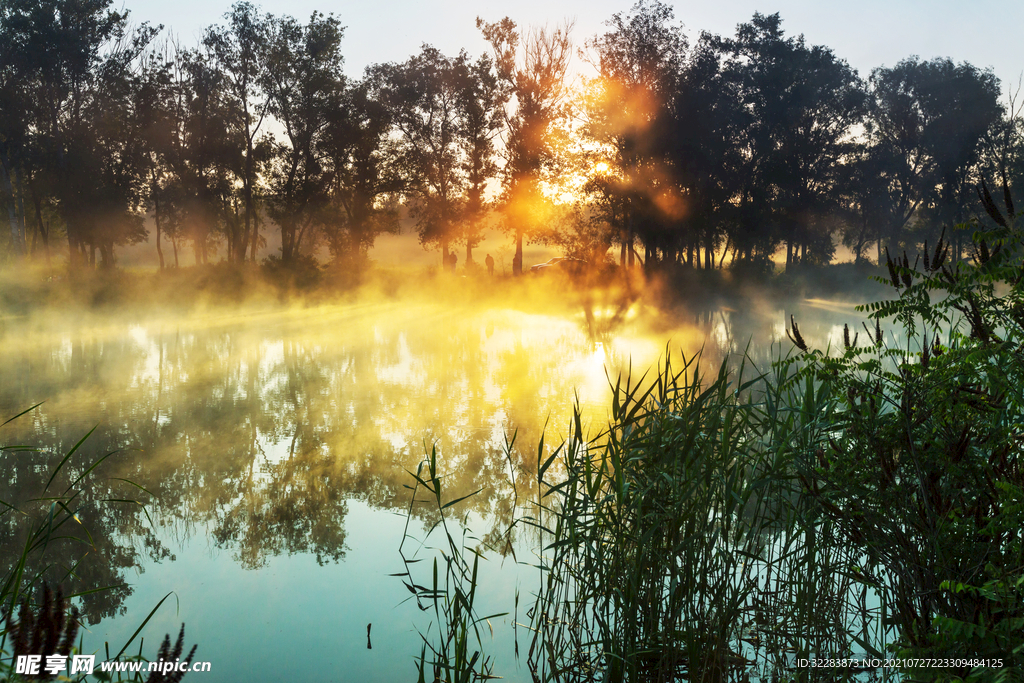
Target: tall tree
(206, 151)
(305, 83)
(76, 59)
(929, 120)
(482, 100)
(424, 97)
(240, 50)
(706, 123)
(365, 179)
(637, 61)
(532, 67)
(803, 104)
(15, 70)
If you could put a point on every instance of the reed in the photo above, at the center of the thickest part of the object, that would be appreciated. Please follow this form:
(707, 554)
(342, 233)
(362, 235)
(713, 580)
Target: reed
(50, 518)
(457, 648)
(680, 546)
(862, 501)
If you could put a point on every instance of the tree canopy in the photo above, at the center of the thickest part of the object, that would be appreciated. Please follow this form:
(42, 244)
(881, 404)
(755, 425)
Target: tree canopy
(677, 154)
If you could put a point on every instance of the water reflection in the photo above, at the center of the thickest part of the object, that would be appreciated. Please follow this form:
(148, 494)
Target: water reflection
(256, 431)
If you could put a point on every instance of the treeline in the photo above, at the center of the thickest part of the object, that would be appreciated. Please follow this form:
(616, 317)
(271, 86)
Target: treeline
(675, 153)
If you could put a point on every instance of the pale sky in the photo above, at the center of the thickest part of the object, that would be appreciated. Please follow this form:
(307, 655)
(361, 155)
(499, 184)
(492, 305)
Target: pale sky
(986, 33)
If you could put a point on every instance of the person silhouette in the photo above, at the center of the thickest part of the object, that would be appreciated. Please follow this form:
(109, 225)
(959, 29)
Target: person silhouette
(490, 264)
(454, 261)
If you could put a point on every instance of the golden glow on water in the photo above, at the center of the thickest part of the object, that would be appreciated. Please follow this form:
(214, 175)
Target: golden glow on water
(257, 427)
(277, 439)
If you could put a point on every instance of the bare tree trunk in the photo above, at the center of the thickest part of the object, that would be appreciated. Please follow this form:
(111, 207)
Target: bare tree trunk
(254, 243)
(629, 238)
(107, 260)
(19, 181)
(44, 231)
(9, 179)
(517, 260)
(156, 217)
(248, 195)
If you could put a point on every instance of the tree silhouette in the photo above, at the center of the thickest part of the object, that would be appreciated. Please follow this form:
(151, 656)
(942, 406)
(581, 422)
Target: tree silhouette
(801, 104)
(240, 51)
(305, 83)
(532, 68)
(75, 59)
(638, 62)
(927, 125)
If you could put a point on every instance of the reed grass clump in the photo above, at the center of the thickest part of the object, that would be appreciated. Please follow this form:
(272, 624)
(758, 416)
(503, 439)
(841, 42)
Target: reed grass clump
(454, 638)
(678, 545)
(859, 502)
(50, 521)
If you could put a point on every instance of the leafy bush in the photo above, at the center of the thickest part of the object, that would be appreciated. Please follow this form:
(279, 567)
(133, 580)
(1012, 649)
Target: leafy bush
(922, 469)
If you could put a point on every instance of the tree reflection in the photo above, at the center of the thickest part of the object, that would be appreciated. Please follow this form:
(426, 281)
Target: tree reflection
(259, 428)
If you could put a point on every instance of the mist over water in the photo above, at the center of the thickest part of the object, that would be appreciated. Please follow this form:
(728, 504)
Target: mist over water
(271, 443)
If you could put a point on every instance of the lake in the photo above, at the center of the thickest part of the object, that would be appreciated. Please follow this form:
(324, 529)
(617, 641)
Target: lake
(272, 445)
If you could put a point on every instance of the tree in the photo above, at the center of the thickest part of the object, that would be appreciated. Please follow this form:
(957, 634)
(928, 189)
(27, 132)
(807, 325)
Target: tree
(705, 124)
(447, 112)
(305, 83)
(205, 150)
(637, 63)
(365, 180)
(424, 95)
(802, 104)
(240, 51)
(75, 60)
(532, 69)
(14, 122)
(926, 130)
(482, 101)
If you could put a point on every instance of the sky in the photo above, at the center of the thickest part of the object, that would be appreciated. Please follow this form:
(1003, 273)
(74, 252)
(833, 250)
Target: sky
(870, 33)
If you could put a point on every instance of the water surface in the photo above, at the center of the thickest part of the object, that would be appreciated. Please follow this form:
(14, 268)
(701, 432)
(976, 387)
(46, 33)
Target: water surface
(272, 446)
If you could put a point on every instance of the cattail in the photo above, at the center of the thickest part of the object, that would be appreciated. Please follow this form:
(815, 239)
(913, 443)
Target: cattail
(875, 338)
(795, 336)
(166, 653)
(941, 249)
(846, 338)
(990, 206)
(892, 270)
(48, 630)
